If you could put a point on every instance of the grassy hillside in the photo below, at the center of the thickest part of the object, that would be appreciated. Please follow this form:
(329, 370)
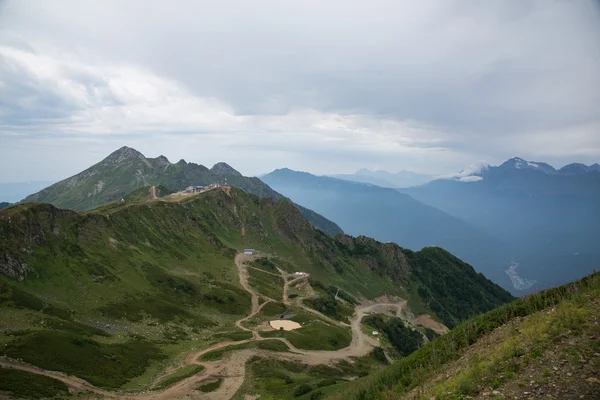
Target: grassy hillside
(141, 283)
(543, 344)
(127, 170)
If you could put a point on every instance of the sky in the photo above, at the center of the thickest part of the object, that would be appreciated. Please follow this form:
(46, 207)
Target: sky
(320, 86)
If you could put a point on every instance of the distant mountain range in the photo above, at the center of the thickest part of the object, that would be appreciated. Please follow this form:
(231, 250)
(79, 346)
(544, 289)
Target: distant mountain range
(390, 216)
(16, 191)
(549, 218)
(126, 170)
(524, 224)
(387, 179)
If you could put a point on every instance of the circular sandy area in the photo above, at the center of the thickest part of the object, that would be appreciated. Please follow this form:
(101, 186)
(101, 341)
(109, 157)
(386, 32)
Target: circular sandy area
(287, 325)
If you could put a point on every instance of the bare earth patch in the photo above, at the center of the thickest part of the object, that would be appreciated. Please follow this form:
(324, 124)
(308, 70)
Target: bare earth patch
(428, 322)
(285, 324)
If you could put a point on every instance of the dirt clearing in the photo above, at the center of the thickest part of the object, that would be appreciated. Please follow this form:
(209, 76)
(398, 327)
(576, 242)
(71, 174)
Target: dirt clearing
(286, 325)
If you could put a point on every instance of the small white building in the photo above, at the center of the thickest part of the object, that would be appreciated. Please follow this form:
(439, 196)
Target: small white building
(375, 333)
(249, 251)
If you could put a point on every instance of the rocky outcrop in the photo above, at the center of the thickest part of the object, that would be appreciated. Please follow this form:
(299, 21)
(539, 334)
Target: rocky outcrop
(13, 267)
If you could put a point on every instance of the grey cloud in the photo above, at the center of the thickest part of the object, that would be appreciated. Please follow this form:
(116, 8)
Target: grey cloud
(487, 76)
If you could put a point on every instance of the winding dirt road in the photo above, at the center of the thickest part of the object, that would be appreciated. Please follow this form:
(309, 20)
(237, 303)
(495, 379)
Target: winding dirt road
(231, 369)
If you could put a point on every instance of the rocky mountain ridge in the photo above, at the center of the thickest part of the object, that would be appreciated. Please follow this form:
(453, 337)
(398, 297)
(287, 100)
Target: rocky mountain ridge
(126, 170)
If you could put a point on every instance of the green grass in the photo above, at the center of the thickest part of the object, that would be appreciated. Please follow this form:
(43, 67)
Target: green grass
(164, 273)
(316, 335)
(273, 309)
(330, 307)
(211, 386)
(21, 384)
(573, 299)
(179, 375)
(502, 362)
(137, 308)
(280, 379)
(266, 284)
(265, 264)
(105, 365)
(271, 345)
(232, 335)
(270, 379)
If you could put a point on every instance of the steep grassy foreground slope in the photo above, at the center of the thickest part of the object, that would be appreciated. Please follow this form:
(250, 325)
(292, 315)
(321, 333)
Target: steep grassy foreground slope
(545, 345)
(127, 170)
(115, 296)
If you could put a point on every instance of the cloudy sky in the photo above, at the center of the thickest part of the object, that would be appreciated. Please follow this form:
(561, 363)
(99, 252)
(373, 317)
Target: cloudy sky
(322, 86)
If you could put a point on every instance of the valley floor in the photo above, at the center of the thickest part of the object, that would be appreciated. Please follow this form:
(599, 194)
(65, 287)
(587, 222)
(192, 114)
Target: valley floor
(224, 364)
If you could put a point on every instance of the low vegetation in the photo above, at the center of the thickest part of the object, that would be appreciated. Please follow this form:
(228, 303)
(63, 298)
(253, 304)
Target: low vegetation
(327, 304)
(404, 339)
(315, 334)
(25, 385)
(234, 336)
(179, 375)
(210, 386)
(266, 284)
(104, 365)
(113, 295)
(271, 345)
(274, 309)
(280, 379)
(572, 303)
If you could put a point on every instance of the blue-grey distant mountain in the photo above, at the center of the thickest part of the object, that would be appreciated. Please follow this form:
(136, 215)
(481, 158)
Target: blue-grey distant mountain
(387, 215)
(550, 218)
(387, 179)
(4, 205)
(16, 191)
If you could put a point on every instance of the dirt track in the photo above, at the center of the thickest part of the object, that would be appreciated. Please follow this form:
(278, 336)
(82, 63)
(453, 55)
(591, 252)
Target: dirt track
(232, 367)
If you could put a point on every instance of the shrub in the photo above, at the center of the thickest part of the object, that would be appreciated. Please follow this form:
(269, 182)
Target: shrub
(302, 389)
(379, 355)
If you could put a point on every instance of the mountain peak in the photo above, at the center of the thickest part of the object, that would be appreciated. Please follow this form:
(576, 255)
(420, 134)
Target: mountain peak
(519, 163)
(123, 154)
(222, 168)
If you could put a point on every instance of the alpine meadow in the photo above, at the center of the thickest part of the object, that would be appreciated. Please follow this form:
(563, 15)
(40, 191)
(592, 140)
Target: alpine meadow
(267, 200)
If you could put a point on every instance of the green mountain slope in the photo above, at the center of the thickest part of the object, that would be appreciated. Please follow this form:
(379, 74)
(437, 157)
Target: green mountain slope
(387, 215)
(115, 296)
(126, 170)
(544, 345)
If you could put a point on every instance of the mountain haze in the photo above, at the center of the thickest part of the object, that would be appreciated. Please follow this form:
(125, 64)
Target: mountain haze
(383, 178)
(126, 170)
(17, 191)
(389, 216)
(548, 217)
